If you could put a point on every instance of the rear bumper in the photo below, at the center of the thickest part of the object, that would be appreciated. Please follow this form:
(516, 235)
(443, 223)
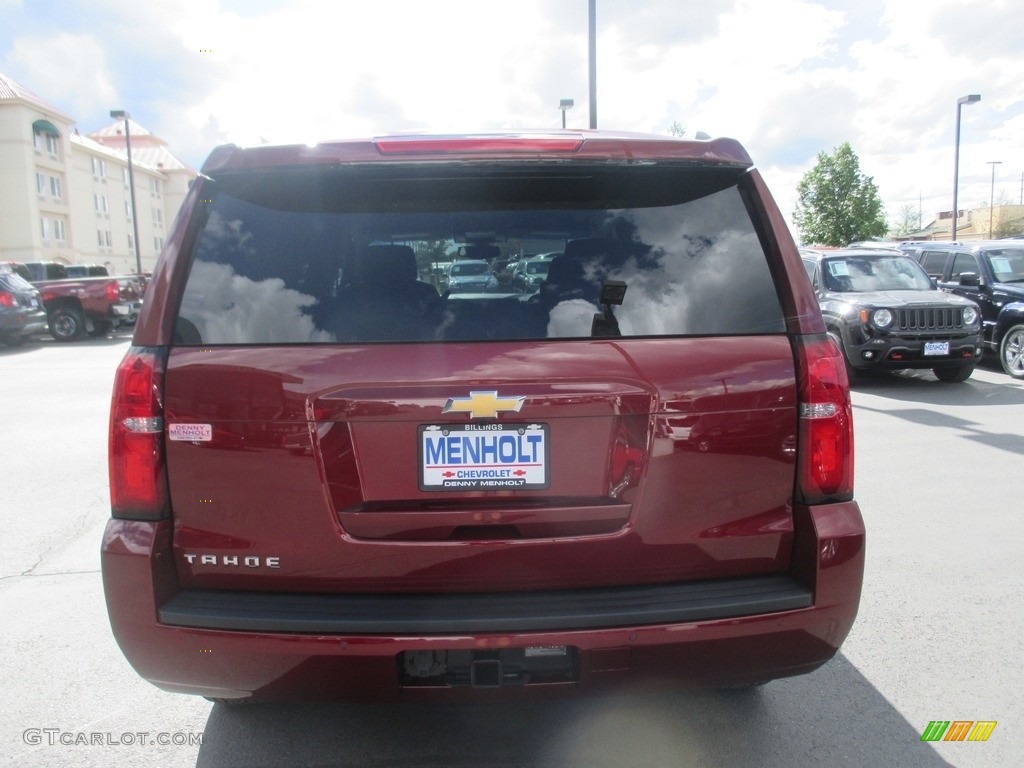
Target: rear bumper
(124, 312)
(22, 323)
(328, 647)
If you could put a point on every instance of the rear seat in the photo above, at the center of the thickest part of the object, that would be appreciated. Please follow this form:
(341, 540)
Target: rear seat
(382, 299)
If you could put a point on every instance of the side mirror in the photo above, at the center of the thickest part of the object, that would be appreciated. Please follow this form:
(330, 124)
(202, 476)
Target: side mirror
(970, 279)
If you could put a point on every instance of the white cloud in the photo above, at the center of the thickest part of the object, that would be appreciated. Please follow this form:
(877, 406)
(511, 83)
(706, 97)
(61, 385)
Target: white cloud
(66, 69)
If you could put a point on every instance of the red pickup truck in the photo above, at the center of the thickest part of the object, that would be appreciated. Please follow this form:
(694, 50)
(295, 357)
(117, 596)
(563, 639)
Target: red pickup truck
(86, 305)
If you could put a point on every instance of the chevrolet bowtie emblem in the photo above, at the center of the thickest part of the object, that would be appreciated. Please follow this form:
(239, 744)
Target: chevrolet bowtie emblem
(483, 405)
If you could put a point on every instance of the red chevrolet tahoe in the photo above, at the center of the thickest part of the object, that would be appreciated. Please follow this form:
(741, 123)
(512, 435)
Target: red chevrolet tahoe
(332, 478)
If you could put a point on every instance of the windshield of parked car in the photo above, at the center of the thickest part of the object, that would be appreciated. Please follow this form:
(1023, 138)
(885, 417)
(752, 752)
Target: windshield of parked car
(309, 258)
(470, 268)
(862, 274)
(1007, 265)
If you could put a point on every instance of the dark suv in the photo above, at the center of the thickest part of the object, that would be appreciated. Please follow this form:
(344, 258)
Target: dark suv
(991, 274)
(330, 480)
(21, 308)
(884, 313)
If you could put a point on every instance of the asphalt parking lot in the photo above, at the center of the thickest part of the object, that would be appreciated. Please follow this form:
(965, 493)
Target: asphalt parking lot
(938, 469)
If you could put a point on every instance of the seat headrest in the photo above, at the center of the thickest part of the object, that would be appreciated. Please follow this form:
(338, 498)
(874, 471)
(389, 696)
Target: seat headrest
(479, 252)
(387, 263)
(603, 252)
(579, 272)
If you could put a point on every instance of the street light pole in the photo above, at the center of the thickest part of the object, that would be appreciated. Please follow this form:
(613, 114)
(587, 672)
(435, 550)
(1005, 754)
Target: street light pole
(120, 114)
(971, 99)
(592, 46)
(991, 194)
(563, 105)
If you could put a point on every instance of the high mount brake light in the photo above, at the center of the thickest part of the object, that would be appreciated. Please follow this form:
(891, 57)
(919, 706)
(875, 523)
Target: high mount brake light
(138, 478)
(825, 470)
(457, 145)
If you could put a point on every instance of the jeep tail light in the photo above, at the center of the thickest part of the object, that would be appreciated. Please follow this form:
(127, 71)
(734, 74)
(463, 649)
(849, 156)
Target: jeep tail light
(825, 463)
(7, 299)
(138, 481)
(113, 291)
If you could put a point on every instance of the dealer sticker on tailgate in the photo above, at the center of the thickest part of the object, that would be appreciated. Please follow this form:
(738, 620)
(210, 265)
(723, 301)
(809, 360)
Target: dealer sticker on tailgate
(483, 456)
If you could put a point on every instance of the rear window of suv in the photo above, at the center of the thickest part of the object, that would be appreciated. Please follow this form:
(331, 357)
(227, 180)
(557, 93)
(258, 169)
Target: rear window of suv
(352, 255)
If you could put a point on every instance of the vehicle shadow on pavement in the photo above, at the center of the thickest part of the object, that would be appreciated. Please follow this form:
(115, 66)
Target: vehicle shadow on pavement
(832, 717)
(922, 387)
(111, 338)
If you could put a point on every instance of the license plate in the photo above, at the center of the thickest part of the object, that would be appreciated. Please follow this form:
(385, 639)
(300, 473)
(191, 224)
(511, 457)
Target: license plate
(472, 457)
(936, 348)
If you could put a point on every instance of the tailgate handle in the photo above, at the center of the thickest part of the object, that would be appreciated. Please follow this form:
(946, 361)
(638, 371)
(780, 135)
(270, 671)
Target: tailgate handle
(398, 522)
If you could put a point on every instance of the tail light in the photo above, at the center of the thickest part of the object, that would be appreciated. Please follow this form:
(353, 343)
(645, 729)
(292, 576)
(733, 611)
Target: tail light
(825, 463)
(7, 299)
(138, 478)
(113, 291)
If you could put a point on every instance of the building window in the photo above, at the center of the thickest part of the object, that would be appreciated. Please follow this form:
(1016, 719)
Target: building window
(106, 239)
(158, 244)
(124, 175)
(158, 216)
(55, 190)
(40, 183)
(100, 201)
(39, 138)
(99, 168)
(131, 243)
(155, 186)
(42, 229)
(58, 230)
(128, 209)
(99, 237)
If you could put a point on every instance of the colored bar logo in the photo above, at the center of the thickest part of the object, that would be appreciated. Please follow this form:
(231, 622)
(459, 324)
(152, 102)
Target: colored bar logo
(958, 730)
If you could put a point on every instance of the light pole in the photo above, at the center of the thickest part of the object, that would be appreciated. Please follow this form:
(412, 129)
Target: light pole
(956, 152)
(992, 194)
(120, 114)
(563, 105)
(592, 59)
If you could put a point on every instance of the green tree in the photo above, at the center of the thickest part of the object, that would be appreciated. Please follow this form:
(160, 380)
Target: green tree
(428, 253)
(1009, 228)
(837, 204)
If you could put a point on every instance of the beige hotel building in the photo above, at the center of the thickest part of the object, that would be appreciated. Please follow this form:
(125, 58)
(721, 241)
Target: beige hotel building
(65, 197)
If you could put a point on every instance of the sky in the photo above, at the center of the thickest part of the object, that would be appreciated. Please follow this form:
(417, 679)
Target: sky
(789, 78)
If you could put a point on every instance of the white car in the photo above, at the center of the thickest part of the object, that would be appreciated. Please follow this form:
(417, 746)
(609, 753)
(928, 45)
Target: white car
(472, 276)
